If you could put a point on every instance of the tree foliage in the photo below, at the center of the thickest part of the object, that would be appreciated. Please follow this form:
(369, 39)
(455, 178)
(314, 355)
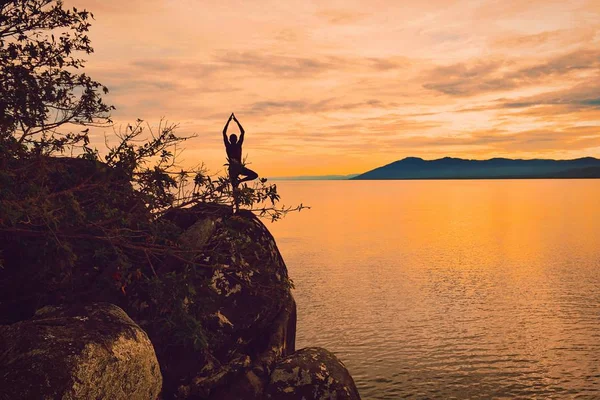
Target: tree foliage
(43, 87)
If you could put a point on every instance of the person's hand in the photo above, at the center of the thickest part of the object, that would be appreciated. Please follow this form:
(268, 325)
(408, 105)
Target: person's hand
(231, 117)
(234, 118)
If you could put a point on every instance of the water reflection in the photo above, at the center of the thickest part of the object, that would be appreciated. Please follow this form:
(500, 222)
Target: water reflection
(450, 289)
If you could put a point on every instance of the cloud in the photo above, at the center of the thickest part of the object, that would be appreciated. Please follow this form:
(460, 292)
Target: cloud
(584, 95)
(154, 65)
(294, 67)
(575, 61)
(500, 142)
(579, 97)
(141, 85)
(463, 80)
(277, 107)
(114, 7)
(574, 138)
(173, 69)
(483, 77)
(592, 102)
(390, 63)
(545, 39)
(535, 39)
(281, 66)
(341, 16)
(331, 104)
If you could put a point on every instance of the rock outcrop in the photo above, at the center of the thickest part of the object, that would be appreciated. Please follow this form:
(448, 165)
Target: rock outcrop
(252, 315)
(93, 351)
(209, 287)
(312, 373)
(254, 318)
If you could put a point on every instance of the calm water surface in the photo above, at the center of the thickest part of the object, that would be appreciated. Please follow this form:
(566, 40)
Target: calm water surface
(450, 289)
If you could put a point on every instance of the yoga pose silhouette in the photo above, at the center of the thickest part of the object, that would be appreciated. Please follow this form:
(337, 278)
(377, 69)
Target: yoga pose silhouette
(234, 155)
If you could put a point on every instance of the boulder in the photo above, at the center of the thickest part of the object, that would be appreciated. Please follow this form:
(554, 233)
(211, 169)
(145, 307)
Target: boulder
(249, 383)
(250, 311)
(92, 351)
(250, 280)
(312, 373)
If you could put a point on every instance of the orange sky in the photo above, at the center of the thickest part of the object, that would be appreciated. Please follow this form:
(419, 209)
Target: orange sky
(340, 87)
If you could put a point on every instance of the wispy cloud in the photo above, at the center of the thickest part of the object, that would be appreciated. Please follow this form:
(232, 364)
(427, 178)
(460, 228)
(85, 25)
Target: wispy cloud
(489, 76)
(580, 96)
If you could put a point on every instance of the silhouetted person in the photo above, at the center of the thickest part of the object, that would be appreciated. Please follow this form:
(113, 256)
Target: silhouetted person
(234, 155)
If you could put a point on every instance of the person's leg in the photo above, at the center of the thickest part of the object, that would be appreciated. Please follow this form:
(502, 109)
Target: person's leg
(233, 178)
(233, 175)
(249, 175)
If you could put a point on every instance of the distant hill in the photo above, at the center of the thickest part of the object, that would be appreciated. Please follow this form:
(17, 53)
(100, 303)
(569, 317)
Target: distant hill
(495, 168)
(314, 178)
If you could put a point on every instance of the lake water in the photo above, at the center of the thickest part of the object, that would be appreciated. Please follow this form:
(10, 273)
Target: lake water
(450, 289)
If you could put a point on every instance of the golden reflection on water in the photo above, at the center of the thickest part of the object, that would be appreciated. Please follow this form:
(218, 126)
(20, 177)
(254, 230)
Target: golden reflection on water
(440, 289)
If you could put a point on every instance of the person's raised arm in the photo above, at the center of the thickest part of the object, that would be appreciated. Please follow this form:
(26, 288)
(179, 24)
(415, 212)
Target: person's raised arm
(225, 130)
(241, 129)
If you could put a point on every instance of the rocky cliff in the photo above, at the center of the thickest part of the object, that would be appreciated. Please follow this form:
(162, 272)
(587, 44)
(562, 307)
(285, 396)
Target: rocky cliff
(208, 287)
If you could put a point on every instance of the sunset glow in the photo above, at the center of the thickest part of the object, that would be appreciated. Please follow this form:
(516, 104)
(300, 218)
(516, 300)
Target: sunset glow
(342, 87)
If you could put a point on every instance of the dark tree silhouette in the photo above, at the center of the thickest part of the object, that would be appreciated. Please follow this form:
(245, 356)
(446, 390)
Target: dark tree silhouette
(42, 86)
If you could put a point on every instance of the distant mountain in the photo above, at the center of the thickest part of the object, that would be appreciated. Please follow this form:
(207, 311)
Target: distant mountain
(588, 172)
(314, 178)
(495, 168)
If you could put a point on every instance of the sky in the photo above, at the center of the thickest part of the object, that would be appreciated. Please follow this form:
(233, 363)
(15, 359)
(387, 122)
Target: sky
(342, 87)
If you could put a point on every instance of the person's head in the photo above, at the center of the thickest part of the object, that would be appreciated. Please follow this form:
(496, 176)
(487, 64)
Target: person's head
(233, 138)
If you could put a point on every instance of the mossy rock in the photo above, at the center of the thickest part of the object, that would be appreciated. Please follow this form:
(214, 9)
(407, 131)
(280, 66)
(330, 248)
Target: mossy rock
(92, 351)
(312, 373)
